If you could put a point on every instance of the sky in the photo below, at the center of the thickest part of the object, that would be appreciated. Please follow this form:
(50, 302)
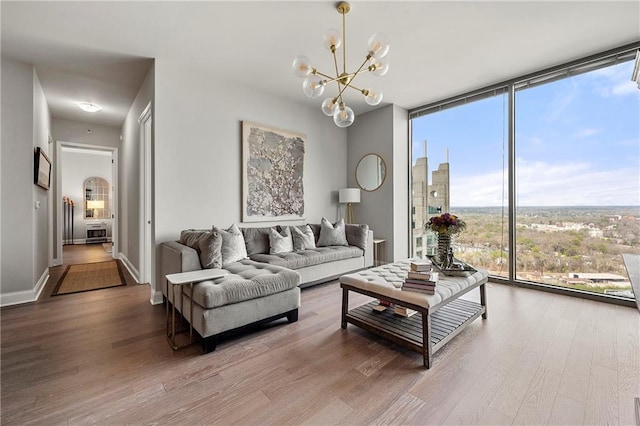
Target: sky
(577, 143)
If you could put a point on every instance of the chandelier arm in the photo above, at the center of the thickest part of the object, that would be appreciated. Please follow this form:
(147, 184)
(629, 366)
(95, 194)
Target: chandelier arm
(335, 61)
(344, 45)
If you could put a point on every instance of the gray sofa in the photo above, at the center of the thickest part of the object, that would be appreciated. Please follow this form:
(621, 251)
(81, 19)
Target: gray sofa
(262, 287)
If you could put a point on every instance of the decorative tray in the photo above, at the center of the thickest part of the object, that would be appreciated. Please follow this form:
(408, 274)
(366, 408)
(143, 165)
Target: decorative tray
(457, 269)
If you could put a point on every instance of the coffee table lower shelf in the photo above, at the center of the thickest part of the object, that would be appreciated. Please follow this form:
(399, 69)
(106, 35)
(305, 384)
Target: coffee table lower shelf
(445, 323)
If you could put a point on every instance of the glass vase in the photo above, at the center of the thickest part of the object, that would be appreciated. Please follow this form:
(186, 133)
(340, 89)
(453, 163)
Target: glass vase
(444, 246)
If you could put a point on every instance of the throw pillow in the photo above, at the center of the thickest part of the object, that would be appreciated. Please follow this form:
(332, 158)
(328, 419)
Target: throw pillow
(357, 235)
(332, 235)
(280, 242)
(303, 239)
(207, 244)
(256, 240)
(233, 247)
(211, 250)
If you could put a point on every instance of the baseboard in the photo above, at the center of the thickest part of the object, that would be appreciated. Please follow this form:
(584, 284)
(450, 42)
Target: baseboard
(127, 264)
(26, 296)
(156, 297)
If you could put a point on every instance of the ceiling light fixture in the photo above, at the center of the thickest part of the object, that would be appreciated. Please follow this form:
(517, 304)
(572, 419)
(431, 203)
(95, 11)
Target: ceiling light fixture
(315, 81)
(89, 107)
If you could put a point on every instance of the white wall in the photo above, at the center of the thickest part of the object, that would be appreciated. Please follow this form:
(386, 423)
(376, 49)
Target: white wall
(385, 132)
(198, 173)
(25, 232)
(77, 167)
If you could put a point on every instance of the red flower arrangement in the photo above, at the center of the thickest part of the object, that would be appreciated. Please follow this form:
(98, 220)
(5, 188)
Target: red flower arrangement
(446, 224)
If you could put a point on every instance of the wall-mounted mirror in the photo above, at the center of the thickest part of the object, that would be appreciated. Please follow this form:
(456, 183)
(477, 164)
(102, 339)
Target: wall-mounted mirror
(96, 196)
(371, 172)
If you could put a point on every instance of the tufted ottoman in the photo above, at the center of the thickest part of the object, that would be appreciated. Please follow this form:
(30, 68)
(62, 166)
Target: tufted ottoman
(252, 293)
(440, 316)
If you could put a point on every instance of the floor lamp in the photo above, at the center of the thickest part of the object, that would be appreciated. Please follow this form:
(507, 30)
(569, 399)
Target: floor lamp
(349, 196)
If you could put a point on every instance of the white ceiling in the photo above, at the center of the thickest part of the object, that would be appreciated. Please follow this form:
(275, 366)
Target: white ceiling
(100, 51)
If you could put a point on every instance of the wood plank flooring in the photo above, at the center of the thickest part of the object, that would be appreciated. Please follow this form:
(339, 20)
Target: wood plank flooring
(101, 357)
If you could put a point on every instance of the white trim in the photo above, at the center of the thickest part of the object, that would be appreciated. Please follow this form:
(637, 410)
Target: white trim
(132, 269)
(145, 121)
(156, 297)
(25, 296)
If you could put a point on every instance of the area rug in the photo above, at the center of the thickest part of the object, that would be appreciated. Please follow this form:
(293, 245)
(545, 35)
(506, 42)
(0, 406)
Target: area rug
(89, 276)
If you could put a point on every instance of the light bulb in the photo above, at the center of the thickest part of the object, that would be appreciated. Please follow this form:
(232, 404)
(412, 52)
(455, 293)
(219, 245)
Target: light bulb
(373, 96)
(313, 86)
(344, 116)
(301, 66)
(332, 38)
(379, 68)
(378, 45)
(329, 106)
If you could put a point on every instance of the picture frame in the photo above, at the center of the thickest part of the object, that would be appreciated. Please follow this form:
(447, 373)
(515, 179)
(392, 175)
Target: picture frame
(41, 169)
(272, 173)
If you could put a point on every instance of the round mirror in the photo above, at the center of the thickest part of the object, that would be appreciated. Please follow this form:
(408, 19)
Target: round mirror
(370, 172)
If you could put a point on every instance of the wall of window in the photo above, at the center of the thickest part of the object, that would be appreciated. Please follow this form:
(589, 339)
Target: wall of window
(544, 167)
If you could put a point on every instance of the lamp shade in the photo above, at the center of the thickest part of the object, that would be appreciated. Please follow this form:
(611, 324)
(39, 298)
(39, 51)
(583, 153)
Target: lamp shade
(349, 195)
(95, 204)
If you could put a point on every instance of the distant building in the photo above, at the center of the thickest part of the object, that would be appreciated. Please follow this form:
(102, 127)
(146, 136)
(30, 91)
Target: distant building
(428, 200)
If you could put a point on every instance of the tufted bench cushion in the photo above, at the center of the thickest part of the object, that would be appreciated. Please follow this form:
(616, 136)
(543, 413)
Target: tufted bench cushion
(387, 280)
(246, 280)
(303, 258)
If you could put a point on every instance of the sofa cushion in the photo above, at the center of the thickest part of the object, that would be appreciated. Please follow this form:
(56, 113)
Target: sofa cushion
(208, 245)
(303, 237)
(357, 235)
(256, 239)
(304, 258)
(332, 235)
(233, 248)
(280, 242)
(246, 280)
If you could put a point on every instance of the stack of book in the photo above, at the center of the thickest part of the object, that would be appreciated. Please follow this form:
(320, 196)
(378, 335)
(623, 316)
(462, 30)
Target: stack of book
(405, 312)
(421, 282)
(420, 266)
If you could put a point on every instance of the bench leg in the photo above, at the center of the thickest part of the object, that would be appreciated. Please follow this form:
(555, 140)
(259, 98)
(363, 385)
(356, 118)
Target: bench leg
(427, 354)
(345, 307)
(483, 300)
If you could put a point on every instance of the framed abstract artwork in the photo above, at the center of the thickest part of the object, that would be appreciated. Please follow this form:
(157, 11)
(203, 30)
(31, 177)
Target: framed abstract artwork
(272, 173)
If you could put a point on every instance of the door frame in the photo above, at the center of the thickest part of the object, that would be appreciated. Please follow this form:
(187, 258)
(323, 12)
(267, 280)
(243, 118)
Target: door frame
(145, 123)
(114, 190)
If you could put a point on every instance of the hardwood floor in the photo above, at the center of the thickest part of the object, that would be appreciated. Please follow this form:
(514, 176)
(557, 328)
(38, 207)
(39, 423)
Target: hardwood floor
(102, 357)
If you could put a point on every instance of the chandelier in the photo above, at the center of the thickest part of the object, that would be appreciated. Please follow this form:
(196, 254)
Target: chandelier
(315, 81)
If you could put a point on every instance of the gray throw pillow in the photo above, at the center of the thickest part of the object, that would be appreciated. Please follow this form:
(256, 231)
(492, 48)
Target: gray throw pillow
(233, 248)
(207, 244)
(303, 238)
(280, 242)
(256, 240)
(332, 235)
(357, 235)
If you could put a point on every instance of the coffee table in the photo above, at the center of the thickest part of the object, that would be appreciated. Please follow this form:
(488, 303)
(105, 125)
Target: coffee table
(439, 317)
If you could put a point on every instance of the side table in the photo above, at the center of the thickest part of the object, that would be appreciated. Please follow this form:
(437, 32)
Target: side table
(180, 279)
(379, 251)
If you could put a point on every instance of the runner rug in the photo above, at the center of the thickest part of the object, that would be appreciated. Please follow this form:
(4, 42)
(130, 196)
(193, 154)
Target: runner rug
(90, 276)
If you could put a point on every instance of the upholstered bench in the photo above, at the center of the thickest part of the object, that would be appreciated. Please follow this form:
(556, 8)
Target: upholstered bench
(440, 316)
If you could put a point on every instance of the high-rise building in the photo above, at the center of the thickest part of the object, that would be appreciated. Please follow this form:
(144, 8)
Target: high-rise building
(428, 200)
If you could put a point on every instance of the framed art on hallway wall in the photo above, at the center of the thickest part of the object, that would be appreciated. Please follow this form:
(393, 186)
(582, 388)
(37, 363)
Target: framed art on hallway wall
(41, 169)
(272, 173)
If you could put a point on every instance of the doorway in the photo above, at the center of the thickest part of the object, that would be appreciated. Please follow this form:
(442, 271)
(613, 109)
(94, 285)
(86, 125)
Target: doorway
(86, 203)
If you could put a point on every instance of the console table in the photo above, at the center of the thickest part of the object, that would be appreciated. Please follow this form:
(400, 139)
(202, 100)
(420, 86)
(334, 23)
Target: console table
(180, 279)
(439, 317)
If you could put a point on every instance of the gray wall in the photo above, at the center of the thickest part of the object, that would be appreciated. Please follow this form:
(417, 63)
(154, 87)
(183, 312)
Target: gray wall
(198, 150)
(384, 132)
(25, 231)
